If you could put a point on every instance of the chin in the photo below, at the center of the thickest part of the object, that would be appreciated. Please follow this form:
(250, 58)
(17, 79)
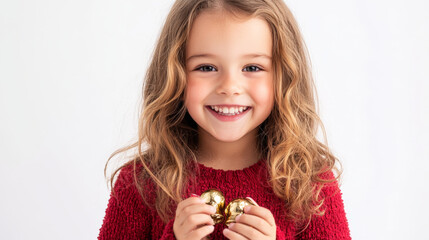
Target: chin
(227, 136)
(228, 139)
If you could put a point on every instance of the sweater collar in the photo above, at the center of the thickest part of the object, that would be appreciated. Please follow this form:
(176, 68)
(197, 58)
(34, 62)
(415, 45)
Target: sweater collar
(250, 171)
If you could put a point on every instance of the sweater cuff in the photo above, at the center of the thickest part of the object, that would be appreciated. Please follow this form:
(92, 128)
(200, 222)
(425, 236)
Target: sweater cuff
(168, 233)
(280, 235)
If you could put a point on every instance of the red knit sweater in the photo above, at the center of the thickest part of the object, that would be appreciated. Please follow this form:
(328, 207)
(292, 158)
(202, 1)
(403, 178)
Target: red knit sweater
(127, 217)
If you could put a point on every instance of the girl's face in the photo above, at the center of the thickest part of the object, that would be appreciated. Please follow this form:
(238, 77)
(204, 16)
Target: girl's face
(229, 90)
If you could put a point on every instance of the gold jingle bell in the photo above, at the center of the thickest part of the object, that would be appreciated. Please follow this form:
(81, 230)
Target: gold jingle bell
(216, 199)
(235, 208)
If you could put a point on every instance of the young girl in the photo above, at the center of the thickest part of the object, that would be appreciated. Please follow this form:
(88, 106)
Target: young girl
(228, 105)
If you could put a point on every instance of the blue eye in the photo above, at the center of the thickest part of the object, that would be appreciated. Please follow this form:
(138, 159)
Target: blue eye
(252, 68)
(205, 68)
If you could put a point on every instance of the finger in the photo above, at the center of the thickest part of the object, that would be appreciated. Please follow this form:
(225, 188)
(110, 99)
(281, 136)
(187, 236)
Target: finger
(252, 201)
(256, 222)
(228, 233)
(195, 221)
(200, 208)
(201, 232)
(187, 202)
(260, 212)
(247, 231)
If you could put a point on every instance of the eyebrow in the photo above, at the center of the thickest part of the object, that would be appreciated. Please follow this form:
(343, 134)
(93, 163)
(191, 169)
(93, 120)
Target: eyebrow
(251, 55)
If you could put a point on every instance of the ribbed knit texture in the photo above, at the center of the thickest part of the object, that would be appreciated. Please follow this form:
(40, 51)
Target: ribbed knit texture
(127, 217)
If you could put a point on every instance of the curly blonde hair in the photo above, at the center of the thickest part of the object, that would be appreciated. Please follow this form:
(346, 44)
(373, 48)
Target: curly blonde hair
(167, 135)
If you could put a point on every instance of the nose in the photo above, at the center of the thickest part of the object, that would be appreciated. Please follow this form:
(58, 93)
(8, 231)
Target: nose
(230, 84)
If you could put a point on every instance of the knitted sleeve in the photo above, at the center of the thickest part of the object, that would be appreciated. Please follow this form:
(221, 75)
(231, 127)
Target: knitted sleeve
(127, 217)
(333, 224)
(280, 235)
(168, 233)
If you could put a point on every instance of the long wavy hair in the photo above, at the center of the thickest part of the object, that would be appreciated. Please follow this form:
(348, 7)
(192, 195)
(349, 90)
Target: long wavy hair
(167, 135)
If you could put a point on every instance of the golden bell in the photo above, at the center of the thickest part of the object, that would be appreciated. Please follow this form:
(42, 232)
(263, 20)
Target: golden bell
(216, 199)
(235, 208)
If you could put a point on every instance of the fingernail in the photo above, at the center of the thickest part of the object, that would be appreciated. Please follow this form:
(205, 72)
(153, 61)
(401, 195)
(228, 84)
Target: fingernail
(253, 201)
(231, 224)
(247, 208)
(212, 209)
(238, 217)
(194, 195)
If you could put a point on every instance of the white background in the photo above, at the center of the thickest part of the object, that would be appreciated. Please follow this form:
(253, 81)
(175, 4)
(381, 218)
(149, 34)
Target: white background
(70, 83)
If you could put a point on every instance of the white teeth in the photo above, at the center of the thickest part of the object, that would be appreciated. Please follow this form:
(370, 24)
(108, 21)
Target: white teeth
(228, 111)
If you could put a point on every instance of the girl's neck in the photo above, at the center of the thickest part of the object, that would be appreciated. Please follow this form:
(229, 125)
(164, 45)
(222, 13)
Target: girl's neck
(227, 155)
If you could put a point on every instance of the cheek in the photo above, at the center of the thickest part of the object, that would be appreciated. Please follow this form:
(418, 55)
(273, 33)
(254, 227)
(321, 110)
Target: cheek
(195, 93)
(263, 93)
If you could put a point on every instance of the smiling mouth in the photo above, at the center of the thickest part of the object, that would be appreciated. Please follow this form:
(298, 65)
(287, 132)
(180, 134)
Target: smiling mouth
(229, 110)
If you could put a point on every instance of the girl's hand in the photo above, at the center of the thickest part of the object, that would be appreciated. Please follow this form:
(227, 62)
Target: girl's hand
(193, 219)
(257, 223)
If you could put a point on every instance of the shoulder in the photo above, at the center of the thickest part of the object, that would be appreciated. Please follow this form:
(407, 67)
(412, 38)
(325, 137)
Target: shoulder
(130, 180)
(128, 172)
(125, 177)
(332, 223)
(331, 196)
(331, 185)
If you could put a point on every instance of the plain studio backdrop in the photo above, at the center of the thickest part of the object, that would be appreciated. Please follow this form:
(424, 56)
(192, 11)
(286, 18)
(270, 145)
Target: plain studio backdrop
(70, 87)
